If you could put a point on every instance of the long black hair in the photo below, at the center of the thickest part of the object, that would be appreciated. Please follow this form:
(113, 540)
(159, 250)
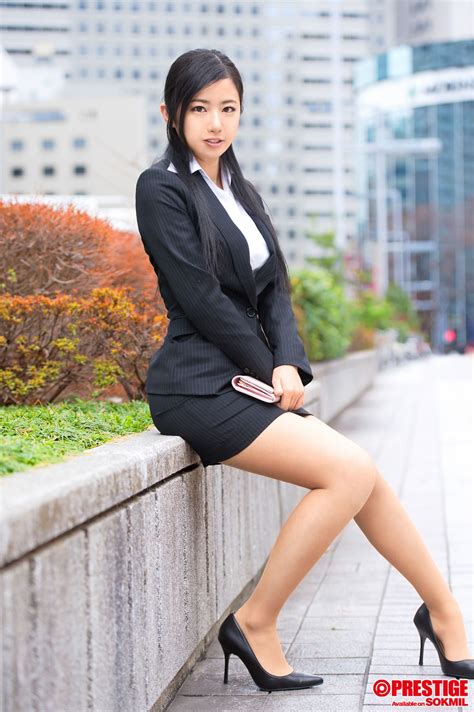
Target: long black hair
(189, 73)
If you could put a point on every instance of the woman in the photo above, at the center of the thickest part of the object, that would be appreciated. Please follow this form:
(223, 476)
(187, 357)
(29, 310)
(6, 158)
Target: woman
(224, 281)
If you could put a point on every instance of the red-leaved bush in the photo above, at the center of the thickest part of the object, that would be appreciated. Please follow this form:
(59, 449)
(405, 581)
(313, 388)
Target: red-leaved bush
(79, 307)
(47, 250)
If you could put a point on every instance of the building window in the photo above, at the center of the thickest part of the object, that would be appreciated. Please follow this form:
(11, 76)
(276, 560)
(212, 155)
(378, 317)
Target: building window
(79, 170)
(48, 144)
(17, 172)
(316, 80)
(49, 170)
(79, 142)
(17, 144)
(320, 107)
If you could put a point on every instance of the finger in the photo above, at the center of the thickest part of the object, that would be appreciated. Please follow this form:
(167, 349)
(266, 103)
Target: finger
(277, 388)
(284, 402)
(298, 402)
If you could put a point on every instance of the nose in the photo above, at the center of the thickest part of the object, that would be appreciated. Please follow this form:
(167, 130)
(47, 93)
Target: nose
(215, 120)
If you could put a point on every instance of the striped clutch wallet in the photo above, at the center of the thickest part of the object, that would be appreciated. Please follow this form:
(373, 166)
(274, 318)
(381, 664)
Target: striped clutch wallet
(255, 388)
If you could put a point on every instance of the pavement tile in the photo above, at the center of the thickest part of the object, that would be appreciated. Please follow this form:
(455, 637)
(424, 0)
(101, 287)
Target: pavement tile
(297, 702)
(332, 649)
(320, 623)
(182, 703)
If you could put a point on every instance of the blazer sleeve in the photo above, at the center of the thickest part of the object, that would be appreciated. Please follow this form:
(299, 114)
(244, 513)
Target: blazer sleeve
(279, 323)
(171, 241)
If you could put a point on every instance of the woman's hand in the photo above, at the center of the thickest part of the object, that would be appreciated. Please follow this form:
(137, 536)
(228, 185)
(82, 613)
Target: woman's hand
(286, 382)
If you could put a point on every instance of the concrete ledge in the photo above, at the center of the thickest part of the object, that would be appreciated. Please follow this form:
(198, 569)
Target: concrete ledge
(118, 564)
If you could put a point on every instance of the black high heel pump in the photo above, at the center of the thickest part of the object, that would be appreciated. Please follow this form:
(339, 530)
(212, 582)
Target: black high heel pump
(454, 668)
(233, 640)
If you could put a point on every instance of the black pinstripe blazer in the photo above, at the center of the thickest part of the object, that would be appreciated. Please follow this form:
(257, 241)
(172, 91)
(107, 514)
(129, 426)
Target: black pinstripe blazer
(215, 329)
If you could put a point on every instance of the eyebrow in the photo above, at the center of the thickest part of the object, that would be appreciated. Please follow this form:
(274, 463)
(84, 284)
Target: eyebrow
(205, 101)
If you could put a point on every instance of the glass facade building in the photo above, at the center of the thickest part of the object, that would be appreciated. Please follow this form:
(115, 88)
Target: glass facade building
(415, 132)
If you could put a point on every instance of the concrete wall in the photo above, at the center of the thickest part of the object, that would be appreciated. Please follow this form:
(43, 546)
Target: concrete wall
(119, 564)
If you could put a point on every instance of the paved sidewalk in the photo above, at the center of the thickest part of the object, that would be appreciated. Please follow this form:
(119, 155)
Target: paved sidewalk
(350, 620)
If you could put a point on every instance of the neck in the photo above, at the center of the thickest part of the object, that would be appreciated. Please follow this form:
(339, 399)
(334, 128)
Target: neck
(213, 171)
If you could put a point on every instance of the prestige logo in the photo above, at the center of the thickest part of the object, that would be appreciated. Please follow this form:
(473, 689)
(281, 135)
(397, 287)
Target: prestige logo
(435, 693)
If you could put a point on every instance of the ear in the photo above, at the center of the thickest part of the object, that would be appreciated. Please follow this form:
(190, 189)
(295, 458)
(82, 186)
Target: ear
(165, 113)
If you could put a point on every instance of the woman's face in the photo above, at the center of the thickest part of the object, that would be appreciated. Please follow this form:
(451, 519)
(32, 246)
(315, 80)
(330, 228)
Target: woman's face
(213, 113)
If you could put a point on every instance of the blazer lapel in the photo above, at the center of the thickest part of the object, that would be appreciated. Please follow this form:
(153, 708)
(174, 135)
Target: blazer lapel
(237, 242)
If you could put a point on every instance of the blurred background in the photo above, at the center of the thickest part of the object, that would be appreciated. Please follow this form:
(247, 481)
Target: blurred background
(358, 123)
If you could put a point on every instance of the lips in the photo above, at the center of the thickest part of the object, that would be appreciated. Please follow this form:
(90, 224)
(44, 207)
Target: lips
(214, 142)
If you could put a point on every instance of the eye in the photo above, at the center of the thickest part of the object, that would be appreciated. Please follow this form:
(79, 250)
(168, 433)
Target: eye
(199, 106)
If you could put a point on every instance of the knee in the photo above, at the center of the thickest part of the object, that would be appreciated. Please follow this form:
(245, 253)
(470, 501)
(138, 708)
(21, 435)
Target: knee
(360, 475)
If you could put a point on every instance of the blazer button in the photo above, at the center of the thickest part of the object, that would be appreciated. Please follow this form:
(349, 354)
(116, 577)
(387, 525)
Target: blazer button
(246, 370)
(250, 311)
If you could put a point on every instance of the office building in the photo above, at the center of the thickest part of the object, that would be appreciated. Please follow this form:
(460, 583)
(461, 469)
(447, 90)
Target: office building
(415, 119)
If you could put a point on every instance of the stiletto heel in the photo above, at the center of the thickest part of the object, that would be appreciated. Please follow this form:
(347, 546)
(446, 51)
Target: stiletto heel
(226, 668)
(232, 640)
(453, 668)
(422, 647)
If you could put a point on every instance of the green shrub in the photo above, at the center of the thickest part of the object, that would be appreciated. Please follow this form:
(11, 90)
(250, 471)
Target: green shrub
(323, 313)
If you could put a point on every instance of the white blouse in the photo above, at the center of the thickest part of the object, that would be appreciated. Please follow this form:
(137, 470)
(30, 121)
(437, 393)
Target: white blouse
(258, 248)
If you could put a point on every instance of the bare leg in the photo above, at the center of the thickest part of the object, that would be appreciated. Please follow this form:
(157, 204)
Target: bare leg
(336, 471)
(340, 476)
(387, 526)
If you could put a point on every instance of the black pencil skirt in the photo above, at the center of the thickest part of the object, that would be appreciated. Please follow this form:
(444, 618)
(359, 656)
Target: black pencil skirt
(216, 426)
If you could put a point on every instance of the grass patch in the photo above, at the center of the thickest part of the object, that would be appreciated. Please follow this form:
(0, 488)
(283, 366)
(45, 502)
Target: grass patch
(33, 435)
